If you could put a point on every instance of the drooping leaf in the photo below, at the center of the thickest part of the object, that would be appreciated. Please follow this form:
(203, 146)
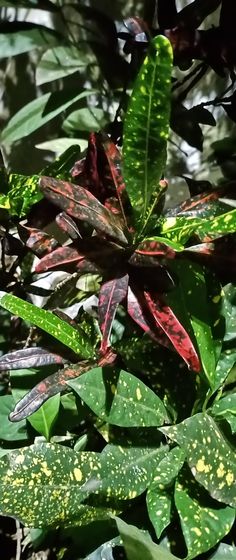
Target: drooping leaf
(206, 204)
(42, 496)
(111, 294)
(45, 320)
(38, 112)
(203, 522)
(159, 499)
(60, 62)
(45, 389)
(29, 358)
(138, 545)
(120, 398)
(167, 320)
(81, 204)
(209, 455)
(43, 419)
(27, 37)
(146, 128)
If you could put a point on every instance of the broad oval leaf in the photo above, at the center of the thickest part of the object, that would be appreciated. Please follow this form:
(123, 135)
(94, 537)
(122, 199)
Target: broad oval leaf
(45, 320)
(44, 418)
(29, 36)
(139, 545)
(60, 62)
(43, 485)
(120, 398)
(209, 455)
(146, 128)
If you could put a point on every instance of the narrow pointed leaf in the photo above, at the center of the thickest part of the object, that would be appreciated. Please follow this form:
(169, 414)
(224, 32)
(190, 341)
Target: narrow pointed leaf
(136, 311)
(81, 204)
(166, 319)
(158, 247)
(59, 259)
(146, 128)
(206, 205)
(68, 225)
(44, 418)
(45, 320)
(45, 389)
(119, 398)
(111, 294)
(29, 358)
(209, 455)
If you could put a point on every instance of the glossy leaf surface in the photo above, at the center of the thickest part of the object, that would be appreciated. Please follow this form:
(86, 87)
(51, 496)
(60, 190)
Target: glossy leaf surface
(77, 341)
(119, 398)
(81, 204)
(43, 419)
(45, 389)
(111, 294)
(138, 545)
(29, 358)
(146, 128)
(209, 455)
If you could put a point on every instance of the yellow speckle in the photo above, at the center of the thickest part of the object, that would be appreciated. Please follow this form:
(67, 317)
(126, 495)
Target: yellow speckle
(143, 90)
(113, 389)
(132, 494)
(200, 466)
(19, 459)
(216, 299)
(78, 475)
(197, 531)
(220, 471)
(229, 478)
(138, 394)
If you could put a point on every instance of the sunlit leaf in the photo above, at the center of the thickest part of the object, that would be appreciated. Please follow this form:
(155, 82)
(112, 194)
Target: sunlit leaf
(146, 128)
(60, 62)
(29, 36)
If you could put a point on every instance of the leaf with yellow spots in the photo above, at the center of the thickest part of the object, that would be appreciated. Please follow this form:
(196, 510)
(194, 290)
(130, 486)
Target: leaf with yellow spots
(45, 320)
(209, 455)
(204, 522)
(139, 546)
(128, 471)
(159, 496)
(146, 128)
(119, 398)
(44, 485)
(23, 192)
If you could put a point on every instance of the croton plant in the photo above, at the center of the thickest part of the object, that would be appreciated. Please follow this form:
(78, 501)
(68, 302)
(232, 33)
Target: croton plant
(138, 412)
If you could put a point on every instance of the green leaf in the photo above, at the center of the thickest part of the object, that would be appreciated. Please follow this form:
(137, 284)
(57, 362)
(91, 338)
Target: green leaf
(23, 193)
(203, 522)
(8, 430)
(42, 485)
(180, 229)
(146, 128)
(59, 62)
(45, 320)
(39, 112)
(25, 40)
(59, 145)
(128, 471)
(224, 552)
(139, 546)
(225, 409)
(209, 455)
(43, 419)
(158, 498)
(224, 365)
(85, 119)
(119, 398)
(191, 297)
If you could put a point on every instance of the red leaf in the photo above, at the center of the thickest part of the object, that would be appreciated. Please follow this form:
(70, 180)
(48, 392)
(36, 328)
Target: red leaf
(166, 319)
(68, 225)
(136, 308)
(59, 258)
(111, 294)
(151, 248)
(29, 358)
(81, 204)
(39, 242)
(205, 204)
(50, 386)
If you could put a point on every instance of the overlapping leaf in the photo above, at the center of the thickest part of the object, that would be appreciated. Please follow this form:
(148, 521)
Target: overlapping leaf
(37, 241)
(81, 204)
(45, 389)
(29, 358)
(120, 398)
(74, 339)
(111, 294)
(146, 128)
